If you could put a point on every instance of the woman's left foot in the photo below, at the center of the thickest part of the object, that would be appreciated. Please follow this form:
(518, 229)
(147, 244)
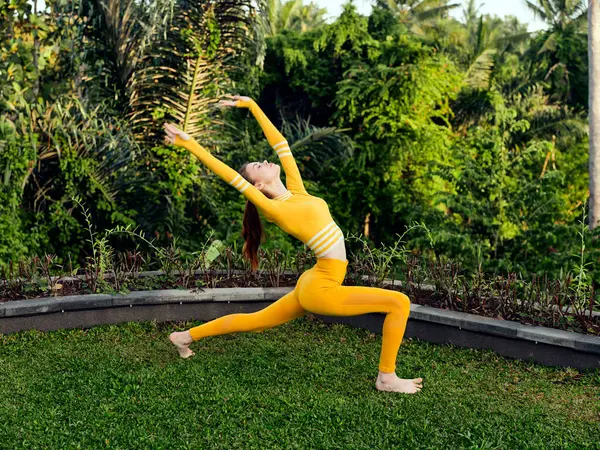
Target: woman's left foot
(182, 341)
(389, 382)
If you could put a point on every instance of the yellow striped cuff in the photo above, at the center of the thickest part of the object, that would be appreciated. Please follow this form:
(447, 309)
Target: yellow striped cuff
(282, 149)
(239, 183)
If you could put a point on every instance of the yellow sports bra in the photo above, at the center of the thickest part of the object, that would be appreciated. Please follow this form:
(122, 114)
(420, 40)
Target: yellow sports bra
(296, 212)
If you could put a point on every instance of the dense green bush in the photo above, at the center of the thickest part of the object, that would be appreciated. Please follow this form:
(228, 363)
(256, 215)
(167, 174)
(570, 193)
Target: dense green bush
(473, 128)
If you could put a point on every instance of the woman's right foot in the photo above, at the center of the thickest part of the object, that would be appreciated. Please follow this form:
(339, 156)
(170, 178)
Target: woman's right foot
(389, 382)
(182, 340)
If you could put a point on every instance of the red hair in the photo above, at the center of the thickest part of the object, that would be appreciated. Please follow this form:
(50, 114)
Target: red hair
(252, 229)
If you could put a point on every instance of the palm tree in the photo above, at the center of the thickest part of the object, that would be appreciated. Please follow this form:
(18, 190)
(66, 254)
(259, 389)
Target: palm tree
(308, 17)
(560, 46)
(66, 128)
(560, 14)
(170, 59)
(280, 15)
(594, 107)
(294, 15)
(120, 32)
(477, 42)
(416, 15)
(481, 46)
(187, 69)
(317, 148)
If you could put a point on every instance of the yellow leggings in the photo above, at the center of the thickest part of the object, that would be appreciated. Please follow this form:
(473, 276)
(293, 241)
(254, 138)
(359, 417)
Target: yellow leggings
(320, 291)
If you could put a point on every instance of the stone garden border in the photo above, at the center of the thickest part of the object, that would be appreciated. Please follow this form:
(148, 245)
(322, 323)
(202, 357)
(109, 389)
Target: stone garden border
(544, 345)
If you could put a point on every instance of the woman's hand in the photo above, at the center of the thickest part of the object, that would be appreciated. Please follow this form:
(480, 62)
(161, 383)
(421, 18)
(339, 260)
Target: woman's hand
(172, 131)
(235, 99)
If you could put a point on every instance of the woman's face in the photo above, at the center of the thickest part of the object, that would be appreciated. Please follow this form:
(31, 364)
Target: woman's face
(262, 172)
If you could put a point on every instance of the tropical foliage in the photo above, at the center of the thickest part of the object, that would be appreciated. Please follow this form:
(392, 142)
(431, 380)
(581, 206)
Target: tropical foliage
(475, 128)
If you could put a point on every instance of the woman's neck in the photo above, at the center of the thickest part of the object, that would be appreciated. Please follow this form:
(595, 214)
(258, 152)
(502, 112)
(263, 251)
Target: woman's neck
(274, 189)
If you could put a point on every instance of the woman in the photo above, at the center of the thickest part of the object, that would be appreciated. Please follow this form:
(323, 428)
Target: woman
(319, 290)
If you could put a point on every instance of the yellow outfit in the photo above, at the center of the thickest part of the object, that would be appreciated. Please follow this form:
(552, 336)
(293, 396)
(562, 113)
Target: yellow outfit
(296, 212)
(319, 290)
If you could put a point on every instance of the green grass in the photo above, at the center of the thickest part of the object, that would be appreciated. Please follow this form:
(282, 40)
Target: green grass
(302, 385)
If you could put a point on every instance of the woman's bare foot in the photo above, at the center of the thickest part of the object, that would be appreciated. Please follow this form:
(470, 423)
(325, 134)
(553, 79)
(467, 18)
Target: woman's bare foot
(182, 340)
(389, 382)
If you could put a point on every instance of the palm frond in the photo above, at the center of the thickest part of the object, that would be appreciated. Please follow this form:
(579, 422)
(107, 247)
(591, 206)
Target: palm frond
(436, 12)
(289, 10)
(516, 39)
(538, 11)
(316, 147)
(580, 17)
(549, 44)
(121, 31)
(548, 118)
(69, 130)
(187, 71)
(479, 73)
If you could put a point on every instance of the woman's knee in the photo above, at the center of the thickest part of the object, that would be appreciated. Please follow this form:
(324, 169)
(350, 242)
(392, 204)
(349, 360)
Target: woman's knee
(403, 302)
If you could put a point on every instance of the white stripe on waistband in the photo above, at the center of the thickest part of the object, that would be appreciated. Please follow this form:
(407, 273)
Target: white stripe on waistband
(323, 230)
(318, 255)
(324, 242)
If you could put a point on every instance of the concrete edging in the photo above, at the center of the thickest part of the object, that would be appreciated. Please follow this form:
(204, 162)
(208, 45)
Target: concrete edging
(546, 345)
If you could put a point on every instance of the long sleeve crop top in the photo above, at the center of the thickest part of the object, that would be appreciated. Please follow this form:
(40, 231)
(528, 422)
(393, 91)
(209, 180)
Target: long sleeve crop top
(296, 212)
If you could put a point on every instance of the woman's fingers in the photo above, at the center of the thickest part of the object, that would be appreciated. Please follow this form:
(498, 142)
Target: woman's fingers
(170, 128)
(169, 138)
(171, 131)
(224, 103)
(238, 97)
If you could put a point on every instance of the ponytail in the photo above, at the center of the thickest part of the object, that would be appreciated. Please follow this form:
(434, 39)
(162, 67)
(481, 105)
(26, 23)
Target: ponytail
(252, 230)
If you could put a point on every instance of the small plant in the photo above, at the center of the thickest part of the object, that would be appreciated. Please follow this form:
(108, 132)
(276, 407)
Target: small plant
(582, 289)
(175, 262)
(302, 261)
(47, 264)
(374, 265)
(274, 262)
(127, 268)
(208, 259)
(239, 267)
(99, 264)
(31, 277)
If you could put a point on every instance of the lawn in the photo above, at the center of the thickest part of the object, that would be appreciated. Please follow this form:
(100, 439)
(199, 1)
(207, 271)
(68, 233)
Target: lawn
(302, 385)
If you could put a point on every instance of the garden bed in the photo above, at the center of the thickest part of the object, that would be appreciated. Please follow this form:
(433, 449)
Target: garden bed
(545, 345)
(562, 317)
(551, 322)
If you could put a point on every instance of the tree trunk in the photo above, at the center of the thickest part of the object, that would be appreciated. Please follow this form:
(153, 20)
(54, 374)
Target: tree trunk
(594, 109)
(36, 57)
